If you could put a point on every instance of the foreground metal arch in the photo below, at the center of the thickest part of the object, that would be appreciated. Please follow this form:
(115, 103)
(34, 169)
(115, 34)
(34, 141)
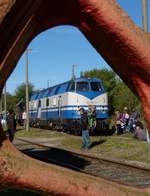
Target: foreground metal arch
(124, 46)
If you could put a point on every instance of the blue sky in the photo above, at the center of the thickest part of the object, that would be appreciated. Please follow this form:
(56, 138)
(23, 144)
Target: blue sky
(56, 50)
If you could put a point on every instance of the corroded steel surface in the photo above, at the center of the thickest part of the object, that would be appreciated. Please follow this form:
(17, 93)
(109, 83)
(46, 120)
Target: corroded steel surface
(5, 7)
(109, 29)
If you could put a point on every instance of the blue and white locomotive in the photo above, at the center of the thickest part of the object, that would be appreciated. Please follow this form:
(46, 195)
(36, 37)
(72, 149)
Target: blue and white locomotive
(58, 106)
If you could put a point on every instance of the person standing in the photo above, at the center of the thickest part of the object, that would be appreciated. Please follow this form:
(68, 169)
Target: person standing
(118, 127)
(134, 117)
(139, 131)
(124, 119)
(86, 143)
(11, 125)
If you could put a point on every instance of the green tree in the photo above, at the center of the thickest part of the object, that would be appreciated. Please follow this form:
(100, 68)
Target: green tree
(20, 92)
(123, 97)
(10, 101)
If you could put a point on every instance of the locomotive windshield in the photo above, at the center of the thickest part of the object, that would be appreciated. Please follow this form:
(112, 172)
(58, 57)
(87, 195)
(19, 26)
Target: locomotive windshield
(82, 86)
(86, 86)
(96, 86)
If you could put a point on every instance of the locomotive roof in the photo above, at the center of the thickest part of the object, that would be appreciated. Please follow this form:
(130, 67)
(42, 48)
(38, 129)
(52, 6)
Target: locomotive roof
(51, 90)
(87, 79)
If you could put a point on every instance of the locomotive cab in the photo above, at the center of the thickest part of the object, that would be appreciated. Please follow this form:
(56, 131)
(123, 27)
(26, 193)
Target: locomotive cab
(83, 85)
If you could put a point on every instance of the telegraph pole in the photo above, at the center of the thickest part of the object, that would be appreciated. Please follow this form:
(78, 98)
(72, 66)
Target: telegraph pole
(145, 15)
(27, 89)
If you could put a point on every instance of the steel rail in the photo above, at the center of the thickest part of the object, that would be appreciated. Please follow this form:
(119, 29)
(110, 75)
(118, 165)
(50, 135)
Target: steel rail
(115, 171)
(87, 155)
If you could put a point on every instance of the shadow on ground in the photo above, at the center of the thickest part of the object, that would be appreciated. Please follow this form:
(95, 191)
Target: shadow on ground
(61, 157)
(58, 156)
(97, 143)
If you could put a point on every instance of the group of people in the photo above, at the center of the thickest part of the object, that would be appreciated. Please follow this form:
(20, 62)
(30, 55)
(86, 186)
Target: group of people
(9, 122)
(87, 124)
(125, 122)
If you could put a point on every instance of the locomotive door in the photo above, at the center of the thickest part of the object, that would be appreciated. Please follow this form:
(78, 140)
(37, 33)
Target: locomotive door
(59, 107)
(39, 110)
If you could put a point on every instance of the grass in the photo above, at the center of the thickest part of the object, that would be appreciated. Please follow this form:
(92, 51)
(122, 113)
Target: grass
(37, 133)
(124, 147)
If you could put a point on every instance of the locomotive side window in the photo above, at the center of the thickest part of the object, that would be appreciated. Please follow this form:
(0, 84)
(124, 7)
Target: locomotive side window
(46, 92)
(39, 104)
(96, 86)
(54, 101)
(72, 88)
(82, 86)
(62, 88)
(53, 91)
(47, 102)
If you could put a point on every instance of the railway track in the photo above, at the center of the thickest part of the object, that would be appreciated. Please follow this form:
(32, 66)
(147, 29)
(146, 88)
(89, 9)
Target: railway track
(83, 162)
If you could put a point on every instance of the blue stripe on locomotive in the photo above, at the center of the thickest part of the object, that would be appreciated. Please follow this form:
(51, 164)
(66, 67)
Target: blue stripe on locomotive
(64, 114)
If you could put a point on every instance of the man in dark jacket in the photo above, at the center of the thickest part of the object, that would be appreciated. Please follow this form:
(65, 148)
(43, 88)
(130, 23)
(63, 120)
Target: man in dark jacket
(11, 125)
(86, 143)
